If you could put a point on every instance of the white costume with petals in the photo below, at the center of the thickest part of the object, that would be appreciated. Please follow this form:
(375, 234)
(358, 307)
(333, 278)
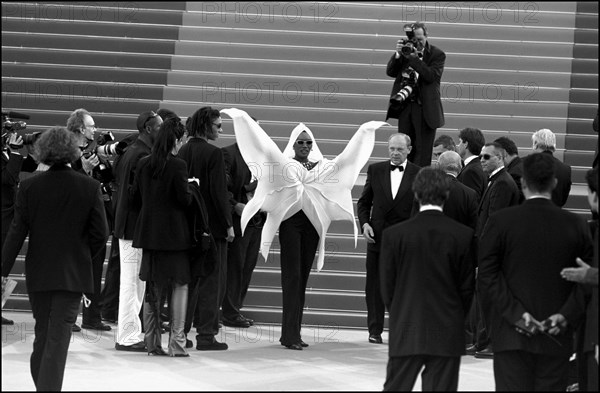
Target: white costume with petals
(285, 186)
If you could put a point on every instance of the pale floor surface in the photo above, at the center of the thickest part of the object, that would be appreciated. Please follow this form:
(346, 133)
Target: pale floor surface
(336, 360)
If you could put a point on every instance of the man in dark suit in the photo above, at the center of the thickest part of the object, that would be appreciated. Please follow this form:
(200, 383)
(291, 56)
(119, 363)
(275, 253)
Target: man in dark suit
(419, 111)
(131, 290)
(242, 252)
(470, 143)
(461, 204)
(205, 162)
(62, 212)
(386, 200)
(427, 282)
(587, 275)
(501, 192)
(521, 254)
(544, 141)
(512, 162)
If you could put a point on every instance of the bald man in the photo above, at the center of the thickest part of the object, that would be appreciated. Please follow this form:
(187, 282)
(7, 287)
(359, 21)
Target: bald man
(462, 202)
(387, 199)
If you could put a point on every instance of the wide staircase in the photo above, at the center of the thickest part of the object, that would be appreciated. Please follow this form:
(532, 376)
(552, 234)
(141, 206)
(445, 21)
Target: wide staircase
(511, 69)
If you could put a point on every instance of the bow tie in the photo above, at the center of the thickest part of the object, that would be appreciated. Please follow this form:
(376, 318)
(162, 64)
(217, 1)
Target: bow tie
(394, 167)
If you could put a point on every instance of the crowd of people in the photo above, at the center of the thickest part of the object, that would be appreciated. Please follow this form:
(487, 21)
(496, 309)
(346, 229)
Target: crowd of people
(469, 253)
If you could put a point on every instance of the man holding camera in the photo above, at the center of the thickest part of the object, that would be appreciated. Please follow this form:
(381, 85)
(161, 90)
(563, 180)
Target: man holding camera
(94, 165)
(12, 165)
(417, 67)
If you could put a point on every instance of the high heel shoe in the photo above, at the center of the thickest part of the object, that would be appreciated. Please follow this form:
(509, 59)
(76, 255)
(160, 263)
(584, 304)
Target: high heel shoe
(157, 352)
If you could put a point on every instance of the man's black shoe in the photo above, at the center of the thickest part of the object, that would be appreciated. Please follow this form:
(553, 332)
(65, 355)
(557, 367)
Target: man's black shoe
(250, 320)
(213, 346)
(75, 328)
(303, 344)
(375, 339)
(486, 353)
(96, 326)
(109, 319)
(7, 321)
(471, 349)
(238, 321)
(137, 347)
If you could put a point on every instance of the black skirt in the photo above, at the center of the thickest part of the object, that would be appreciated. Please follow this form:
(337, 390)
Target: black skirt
(166, 267)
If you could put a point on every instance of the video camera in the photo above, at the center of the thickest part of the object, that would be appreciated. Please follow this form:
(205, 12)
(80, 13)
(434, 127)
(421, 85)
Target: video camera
(410, 44)
(11, 127)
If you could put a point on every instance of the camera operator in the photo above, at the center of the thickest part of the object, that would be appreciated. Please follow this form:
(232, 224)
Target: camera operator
(415, 101)
(93, 163)
(12, 165)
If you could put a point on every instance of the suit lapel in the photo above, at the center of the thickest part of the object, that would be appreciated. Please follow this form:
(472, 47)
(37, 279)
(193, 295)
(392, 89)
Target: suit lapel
(491, 181)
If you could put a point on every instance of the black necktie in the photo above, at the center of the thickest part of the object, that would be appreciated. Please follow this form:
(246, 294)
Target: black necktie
(394, 167)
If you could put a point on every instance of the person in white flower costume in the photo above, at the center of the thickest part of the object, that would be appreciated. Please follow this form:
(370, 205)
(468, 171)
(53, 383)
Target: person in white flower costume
(302, 192)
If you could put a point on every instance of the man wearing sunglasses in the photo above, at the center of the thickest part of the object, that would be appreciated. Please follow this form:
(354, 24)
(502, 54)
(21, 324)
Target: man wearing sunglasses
(131, 292)
(501, 192)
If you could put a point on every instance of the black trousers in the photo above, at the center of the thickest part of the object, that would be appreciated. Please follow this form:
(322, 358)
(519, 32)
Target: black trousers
(592, 372)
(55, 313)
(91, 314)
(375, 306)
(525, 371)
(298, 240)
(440, 373)
(412, 123)
(206, 296)
(242, 255)
(112, 281)
(483, 317)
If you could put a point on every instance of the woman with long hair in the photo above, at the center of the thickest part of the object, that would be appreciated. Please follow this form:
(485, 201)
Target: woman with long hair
(161, 184)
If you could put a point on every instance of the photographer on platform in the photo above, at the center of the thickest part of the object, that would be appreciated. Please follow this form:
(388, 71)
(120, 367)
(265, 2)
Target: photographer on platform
(415, 101)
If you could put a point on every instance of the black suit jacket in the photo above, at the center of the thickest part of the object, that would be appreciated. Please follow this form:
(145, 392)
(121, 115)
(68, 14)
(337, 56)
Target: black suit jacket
(430, 71)
(163, 220)
(563, 185)
(500, 194)
(11, 167)
(427, 283)
(376, 206)
(473, 177)
(521, 255)
(462, 204)
(515, 169)
(238, 177)
(63, 214)
(205, 162)
(126, 215)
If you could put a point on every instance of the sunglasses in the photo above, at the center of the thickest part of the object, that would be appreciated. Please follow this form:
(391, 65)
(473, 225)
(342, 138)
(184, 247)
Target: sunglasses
(218, 125)
(302, 143)
(151, 115)
(486, 157)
